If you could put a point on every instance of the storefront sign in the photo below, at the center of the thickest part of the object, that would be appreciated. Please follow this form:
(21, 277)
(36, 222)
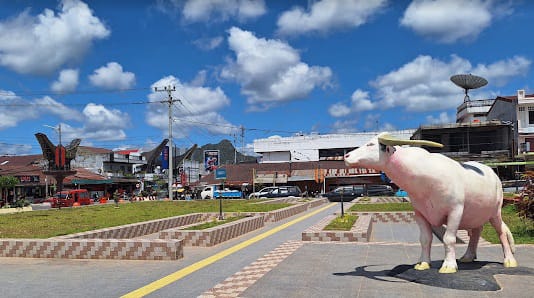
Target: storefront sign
(28, 179)
(349, 172)
(270, 177)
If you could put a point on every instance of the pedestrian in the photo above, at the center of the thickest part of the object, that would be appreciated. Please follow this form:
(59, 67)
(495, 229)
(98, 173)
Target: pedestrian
(116, 198)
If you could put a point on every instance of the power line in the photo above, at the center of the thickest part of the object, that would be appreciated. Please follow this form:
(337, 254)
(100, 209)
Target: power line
(28, 104)
(77, 92)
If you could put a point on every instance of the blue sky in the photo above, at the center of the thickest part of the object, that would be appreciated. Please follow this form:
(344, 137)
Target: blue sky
(272, 67)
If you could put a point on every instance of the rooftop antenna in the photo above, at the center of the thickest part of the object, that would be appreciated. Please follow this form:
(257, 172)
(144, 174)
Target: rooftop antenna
(468, 81)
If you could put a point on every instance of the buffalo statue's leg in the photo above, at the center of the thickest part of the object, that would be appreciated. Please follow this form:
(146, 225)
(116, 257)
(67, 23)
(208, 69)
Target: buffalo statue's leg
(471, 253)
(425, 238)
(449, 240)
(507, 240)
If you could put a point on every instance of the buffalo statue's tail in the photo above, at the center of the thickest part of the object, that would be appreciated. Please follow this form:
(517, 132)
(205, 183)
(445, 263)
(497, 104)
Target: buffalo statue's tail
(510, 237)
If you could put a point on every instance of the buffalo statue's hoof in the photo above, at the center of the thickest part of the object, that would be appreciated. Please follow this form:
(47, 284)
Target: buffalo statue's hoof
(422, 266)
(510, 263)
(447, 269)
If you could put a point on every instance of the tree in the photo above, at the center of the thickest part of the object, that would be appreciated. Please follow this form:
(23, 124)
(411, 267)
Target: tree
(7, 182)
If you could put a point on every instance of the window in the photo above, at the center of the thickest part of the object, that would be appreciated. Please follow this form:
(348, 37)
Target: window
(530, 117)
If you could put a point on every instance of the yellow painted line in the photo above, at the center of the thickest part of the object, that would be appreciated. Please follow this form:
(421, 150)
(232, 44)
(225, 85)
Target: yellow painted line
(160, 283)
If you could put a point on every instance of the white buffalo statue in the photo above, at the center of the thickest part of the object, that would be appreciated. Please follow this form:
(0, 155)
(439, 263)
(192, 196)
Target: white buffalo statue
(442, 192)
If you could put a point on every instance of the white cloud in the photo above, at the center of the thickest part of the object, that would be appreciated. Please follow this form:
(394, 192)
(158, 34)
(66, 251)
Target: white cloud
(339, 110)
(41, 44)
(372, 123)
(502, 71)
(112, 76)
(15, 110)
(198, 108)
(387, 127)
(270, 71)
(208, 44)
(345, 126)
(448, 21)
(424, 83)
(15, 149)
(442, 118)
(103, 123)
(98, 122)
(326, 15)
(360, 101)
(50, 106)
(204, 10)
(67, 81)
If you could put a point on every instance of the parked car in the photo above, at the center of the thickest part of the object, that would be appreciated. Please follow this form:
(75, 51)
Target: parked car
(277, 192)
(380, 190)
(348, 193)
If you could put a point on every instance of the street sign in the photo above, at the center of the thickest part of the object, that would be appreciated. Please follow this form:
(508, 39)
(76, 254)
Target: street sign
(220, 174)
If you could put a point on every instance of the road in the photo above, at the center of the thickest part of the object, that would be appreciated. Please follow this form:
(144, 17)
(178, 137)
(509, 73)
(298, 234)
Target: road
(21, 277)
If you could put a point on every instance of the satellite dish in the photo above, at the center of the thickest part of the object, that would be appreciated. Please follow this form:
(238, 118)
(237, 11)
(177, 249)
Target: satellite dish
(468, 81)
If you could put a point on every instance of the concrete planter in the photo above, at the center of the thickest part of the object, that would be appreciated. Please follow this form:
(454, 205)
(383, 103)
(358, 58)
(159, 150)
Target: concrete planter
(15, 210)
(215, 235)
(360, 231)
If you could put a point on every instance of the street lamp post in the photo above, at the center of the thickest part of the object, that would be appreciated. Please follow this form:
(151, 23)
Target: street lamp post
(56, 128)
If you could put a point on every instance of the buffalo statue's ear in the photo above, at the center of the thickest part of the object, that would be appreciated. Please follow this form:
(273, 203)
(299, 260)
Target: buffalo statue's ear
(382, 147)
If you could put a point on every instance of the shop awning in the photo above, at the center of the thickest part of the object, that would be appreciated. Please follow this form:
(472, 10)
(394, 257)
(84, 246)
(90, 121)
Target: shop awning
(90, 181)
(509, 163)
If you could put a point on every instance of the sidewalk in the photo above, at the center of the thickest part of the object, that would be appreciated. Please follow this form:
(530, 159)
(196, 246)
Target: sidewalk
(377, 269)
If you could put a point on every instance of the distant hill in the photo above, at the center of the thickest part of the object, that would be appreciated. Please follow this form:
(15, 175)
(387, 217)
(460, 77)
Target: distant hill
(226, 153)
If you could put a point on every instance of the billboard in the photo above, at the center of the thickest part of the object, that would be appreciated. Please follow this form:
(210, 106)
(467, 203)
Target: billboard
(165, 158)
(211, 160)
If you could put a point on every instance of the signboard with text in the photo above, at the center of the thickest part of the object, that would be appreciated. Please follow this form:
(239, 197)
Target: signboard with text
(165, 158)
(211, 160)
(220, 173)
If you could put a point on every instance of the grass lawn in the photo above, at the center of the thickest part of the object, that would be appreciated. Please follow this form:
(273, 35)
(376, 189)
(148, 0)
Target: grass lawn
(214, 223)
(51, 223)
(339, 223)
(522, 229)
(382, 207)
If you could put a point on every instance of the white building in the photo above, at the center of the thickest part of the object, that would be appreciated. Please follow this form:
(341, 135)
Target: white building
(525, 120)
(473, 111)
(314, 147)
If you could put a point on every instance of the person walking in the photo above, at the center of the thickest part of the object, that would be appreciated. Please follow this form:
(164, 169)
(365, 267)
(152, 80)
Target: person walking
(116, 198)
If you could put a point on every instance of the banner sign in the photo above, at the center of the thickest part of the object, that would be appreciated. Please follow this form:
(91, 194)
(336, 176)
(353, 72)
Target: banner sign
(165, 158)
(220, 173)
(28, 179)
(270, 177)
(211, 160)
(349, 172)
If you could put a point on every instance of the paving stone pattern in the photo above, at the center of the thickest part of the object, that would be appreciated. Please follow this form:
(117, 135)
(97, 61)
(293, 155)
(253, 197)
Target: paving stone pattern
(239, 282)
(126, 242)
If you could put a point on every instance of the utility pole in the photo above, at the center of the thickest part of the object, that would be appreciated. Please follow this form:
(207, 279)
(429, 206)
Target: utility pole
(170, 101)
(242, 139)
(235, 148)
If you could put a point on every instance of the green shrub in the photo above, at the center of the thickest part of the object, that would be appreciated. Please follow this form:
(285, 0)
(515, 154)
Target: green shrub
(344, 223)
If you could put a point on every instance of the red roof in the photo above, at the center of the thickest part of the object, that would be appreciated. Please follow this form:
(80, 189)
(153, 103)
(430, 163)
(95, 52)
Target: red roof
(94, 150)
(29, 165)
(127, 151)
